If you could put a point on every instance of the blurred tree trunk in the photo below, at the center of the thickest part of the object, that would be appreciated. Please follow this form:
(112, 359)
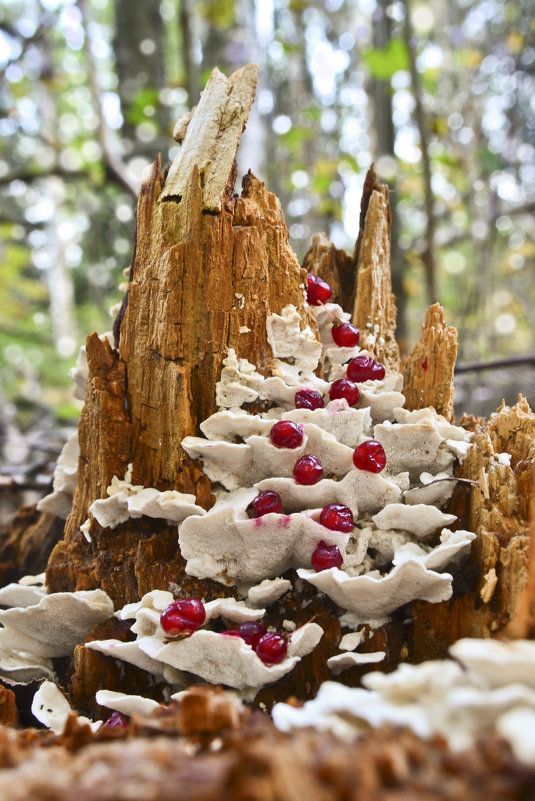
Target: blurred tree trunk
(189, 62)
(228, 41)
(381, 92)
(428, 255)
(138, 45)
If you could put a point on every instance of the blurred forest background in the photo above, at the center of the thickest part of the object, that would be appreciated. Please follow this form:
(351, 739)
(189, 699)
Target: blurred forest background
(440, 95)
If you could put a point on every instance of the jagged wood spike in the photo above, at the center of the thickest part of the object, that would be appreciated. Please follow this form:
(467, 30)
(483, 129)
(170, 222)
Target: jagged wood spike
(374, 311)
(428, 370)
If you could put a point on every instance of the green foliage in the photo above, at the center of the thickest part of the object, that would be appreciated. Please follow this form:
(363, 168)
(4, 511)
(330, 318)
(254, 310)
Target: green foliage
(383, 63)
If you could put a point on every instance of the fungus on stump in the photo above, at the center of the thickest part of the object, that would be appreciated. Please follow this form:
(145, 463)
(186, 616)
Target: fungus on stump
(209, 267)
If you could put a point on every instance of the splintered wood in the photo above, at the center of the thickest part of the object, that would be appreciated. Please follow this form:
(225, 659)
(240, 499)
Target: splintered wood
(333, 265)
(496, 596)
(208, 269)
(211, 136)
(428, 371)
(374, 312)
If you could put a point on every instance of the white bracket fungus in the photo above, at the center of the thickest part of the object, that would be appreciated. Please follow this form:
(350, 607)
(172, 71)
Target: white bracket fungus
(52, 709)
(420, 520)
(268, 591)
(126, 704)
(415, 447)
(239, 465)
(229, 660)
(372, 596)
(59, 501)
(359, 489)
(337, 664)
(494, 691)
(207, 654)
(55, 625)
(28, 591)
(134, 501)
(19, 668)
(226, 545)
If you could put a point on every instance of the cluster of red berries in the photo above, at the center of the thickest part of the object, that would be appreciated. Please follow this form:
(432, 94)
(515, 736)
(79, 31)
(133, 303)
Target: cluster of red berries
(369, 455)
(188, 614)
(269, 646)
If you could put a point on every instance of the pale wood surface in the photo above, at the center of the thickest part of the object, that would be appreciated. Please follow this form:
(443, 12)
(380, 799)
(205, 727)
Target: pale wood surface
(212, 136)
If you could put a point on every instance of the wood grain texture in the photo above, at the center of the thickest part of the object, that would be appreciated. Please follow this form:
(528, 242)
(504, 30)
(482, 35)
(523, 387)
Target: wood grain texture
(428, 370)
(494, 596)
(374, 311)
(333, 265)
(211, 136)
(202, 281)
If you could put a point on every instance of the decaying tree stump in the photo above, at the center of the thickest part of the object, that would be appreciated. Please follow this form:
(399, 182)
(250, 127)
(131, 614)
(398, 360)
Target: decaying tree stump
(209, 267)
(207, 270)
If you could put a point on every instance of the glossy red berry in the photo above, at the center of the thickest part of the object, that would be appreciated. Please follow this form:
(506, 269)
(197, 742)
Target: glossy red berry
(271, 648)
(318, 291)
(116, 721)
(231, 633)
(337, 517)
(345, 335)
(326, 556)
(370, 456)
(308, 399)
(286, 434)
(308, 470)
(267, 502)
(186, 614)
(364, 368)
(344, 388)
(251, 632)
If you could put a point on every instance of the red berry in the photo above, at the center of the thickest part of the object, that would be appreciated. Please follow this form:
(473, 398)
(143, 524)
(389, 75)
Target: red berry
(337, 517)
(308, 470)
(364, 368)
(251, 632)
(267, 502)
(326, 556)
(116, 721)
(231, 633)
(318, 291)
(370, 456)
(184, 615)
(344, 388)
(345, 335)
(425, 366)
(286, 434)
(308, 399)
(271, 648)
